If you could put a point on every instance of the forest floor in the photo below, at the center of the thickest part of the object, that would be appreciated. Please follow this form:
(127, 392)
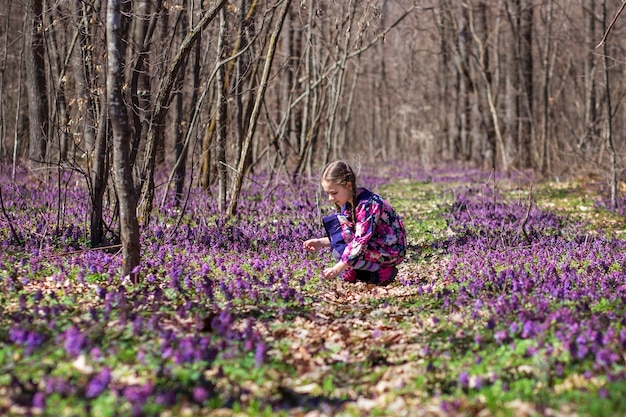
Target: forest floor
(398, 350)
(510, 302)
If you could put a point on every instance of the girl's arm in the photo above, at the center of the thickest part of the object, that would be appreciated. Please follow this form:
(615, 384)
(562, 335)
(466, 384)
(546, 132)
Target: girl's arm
(336, 270)
(316, 244)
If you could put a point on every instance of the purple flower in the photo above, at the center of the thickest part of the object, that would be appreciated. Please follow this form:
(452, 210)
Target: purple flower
(39, 400)
(18, 335)
(200, 394)
(500, 336)
(605, 358)
(138, 394)
(98, 383)
(74, 341)
(259, 354)
(530, 352)
(33, 341)
(450, 406)
(95, 353)
(166, 398)
(464, 379)
(528, 329)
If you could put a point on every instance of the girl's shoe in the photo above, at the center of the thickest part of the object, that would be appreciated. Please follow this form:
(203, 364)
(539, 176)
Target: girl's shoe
(387, 275)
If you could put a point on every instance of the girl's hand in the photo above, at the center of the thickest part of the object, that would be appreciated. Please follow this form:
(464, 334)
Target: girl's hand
(329, 273)
(312, 245)
(335, 271)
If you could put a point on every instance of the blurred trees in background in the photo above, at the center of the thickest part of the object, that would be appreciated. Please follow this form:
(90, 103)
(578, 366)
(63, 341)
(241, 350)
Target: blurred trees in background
(214, 89)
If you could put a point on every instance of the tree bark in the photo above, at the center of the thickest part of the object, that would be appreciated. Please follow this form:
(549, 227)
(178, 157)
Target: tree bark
(486, 132)
(526, 77)
(122, 137)
(337, 87)
(547, 68)
(38, 113)
(85, 78)
(100, 165)
(609, 117)
(140, 77)
(444, 85)
(222, 116)
(591, 114)
(512, 87)
(181, 144)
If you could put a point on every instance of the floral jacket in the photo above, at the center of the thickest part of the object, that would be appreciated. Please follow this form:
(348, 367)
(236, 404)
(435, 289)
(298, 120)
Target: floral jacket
(378, 235)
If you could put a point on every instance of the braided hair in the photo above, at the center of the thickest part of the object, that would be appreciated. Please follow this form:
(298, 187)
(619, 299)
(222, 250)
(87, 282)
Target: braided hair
(339, 172)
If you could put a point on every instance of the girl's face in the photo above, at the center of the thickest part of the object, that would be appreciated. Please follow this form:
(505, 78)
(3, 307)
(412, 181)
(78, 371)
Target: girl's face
(338, 194)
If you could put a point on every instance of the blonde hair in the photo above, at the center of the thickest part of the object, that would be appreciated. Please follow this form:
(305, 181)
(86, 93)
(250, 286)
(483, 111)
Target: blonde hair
(340, 172)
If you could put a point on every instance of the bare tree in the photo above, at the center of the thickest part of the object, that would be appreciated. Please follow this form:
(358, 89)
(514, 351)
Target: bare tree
(161, 108)
(37, 84)
(590, 115)
(242, 168)
(545, 162)
(222, 114)
(609, 116)
(496, 84)
(526, 124)
(3, 67)
(122, 138)
(512, 83)
(486, 120)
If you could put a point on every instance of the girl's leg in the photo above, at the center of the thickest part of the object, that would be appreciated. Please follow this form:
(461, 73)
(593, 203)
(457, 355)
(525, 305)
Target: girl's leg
(373, 272)
(363, 265)
(367, 271)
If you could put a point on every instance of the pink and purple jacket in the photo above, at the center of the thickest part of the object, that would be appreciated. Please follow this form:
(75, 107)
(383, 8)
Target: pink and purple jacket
(378, 235)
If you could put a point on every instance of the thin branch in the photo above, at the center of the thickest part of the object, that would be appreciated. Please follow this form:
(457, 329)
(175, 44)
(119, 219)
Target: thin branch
(606, 34)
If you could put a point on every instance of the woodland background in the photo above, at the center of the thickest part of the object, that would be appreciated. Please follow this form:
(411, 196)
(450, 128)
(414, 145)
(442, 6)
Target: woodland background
(209, 91)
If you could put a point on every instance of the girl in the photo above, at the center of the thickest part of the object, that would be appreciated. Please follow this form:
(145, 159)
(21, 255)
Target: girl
(366, 235)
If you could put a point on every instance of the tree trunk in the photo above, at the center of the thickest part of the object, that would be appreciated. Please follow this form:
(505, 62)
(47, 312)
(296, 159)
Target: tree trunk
(526, 77)
(99, 176)
(489, 131)
(591, 115)
(83, 66)
(466, 84)
(444, 86)
(60, 51)
(122, 136)
(609, 117)
(181, 144)
(222, 116)
(545, 164)
(37, 86)
(306, 137)
(337, 88)
(3, 66)
(512, 88)
(140, 77)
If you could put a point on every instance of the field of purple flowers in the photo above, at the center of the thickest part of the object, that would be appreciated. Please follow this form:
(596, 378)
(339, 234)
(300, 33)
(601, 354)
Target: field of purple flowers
(511, 302)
